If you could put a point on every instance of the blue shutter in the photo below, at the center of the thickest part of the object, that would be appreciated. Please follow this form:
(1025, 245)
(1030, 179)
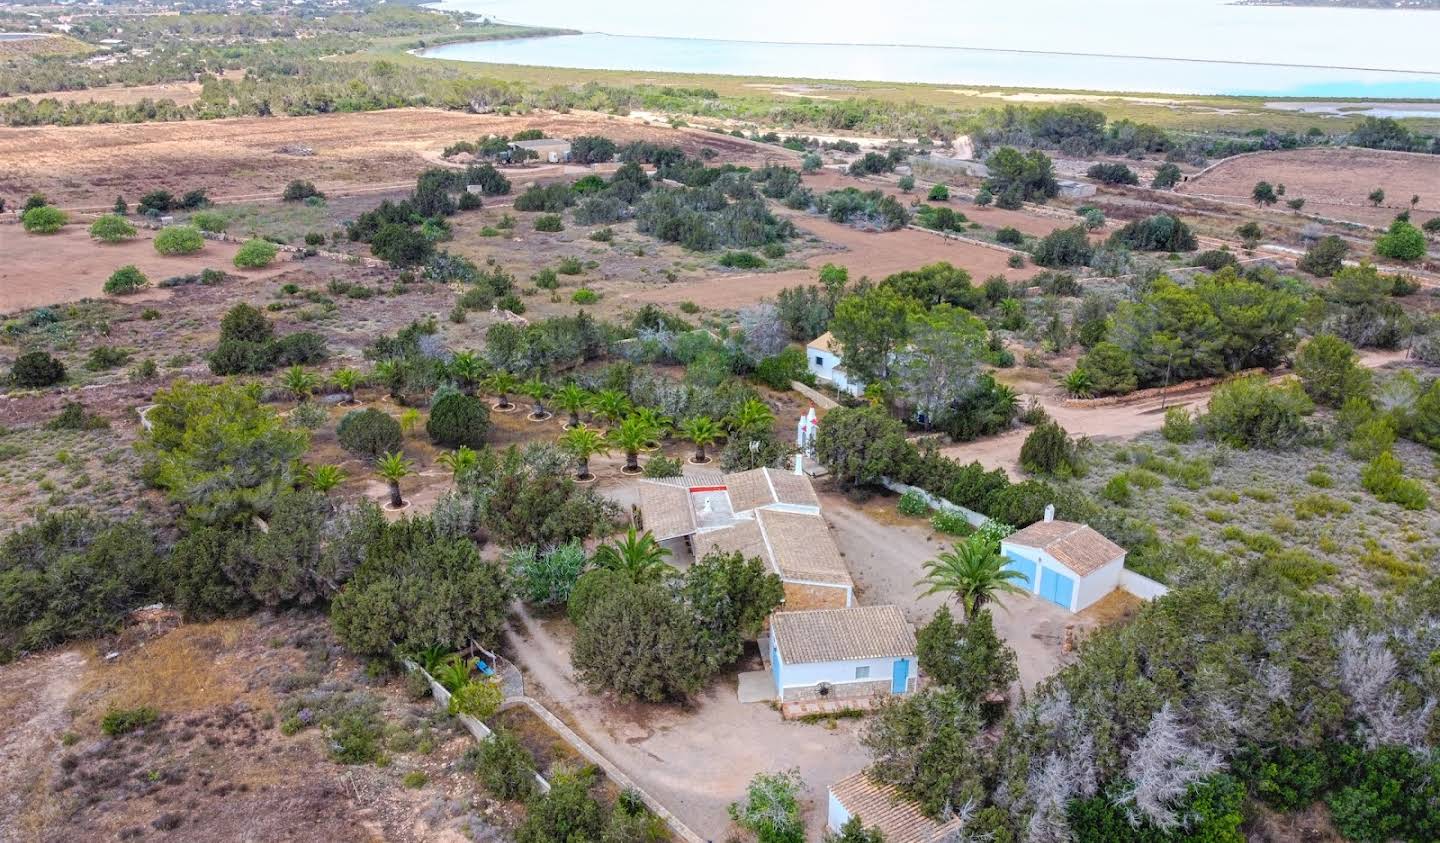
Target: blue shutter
(1057, 588)
(1015, 562)
(901, 678)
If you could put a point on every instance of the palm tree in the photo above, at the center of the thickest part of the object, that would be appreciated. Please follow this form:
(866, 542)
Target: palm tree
(658, 422)
(348, 380)
(299, 382)
(702, 430)
(572, 398)
(752, 415)
(639, 557)
(537, 390)
(610, 405)
(324, 478)
(459, 461)
(974, 574)
(582, 443)
(393, 468)
(630, 437)
(501, 384)
(468, 370)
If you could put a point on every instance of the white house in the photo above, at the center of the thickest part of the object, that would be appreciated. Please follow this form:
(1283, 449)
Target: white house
(1069, 564)
(823, 359)
(549, 150)
(883, 808)
(861, 651)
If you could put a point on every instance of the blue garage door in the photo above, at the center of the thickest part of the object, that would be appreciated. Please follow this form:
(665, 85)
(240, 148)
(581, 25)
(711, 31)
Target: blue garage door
(1056, 588)
(1016, 562)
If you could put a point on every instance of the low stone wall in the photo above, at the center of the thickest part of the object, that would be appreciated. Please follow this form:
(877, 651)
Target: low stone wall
(1154, 391)
(818, 398)
(844, 691)
(936, 502)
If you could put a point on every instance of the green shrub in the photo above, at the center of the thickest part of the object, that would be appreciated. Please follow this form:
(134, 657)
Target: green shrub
(104, 357)
(589, 589)
(585, 295)
(549, 222)
(741, 260)
(1117, 490)
(505, 767)
(36, 369)
(479, 698)
(569, 266)
(913, 505)
(209, 221)
(45, 219)
(603, 235)
(1250, 412)
(121, 721)
(938, 193)
(779, 371)
(1179, 426)
(125, 280)
(1403, 242)
(950, 523)
(458, 419)
(179, 240)
(1009, 236)
(255, 254)
(112, 228)
(369, 433)
(1384, 478)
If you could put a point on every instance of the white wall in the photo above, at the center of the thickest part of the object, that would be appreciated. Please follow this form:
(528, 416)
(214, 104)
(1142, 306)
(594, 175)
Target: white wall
(837, 815)
(841, 672)
(828, 369)
(1142, 586)
(1097, 583)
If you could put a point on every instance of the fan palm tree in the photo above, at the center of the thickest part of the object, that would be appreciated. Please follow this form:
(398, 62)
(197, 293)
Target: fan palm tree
(658, 422)
(583, 443)
(324, 478)
(459, 461)
(630, 437)
(348, 380)
(537, 390)
(468, 370)
(752, 415)
(501, 384)
(610, 405)
(299, 382)
(702, 430)
(572, 398)
(973, 573)
(393, 468)
(639, 557)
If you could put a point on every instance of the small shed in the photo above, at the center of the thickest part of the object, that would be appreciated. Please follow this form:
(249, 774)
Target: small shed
(1071, 189)
(550, 150)
(823, 360)
(1071, 565)
(860, 651)
(883, 808)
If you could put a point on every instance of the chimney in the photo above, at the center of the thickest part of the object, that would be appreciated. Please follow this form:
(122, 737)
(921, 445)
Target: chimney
(1049, 512)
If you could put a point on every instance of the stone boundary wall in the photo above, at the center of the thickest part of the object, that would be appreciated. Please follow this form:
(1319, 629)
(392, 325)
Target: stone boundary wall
(817, 397)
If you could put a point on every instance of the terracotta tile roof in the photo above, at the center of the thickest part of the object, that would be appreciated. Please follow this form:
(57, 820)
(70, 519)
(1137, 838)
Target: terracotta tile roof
(830, 635)
(743, 536)
(884, 809)
(666, 509)
(749, 489)
(801, 547)
(1078, 547)
(792, 488)
(825, 342)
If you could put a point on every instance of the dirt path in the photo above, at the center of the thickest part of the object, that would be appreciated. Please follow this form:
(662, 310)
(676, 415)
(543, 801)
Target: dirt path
(33, 698)
(1115, 421)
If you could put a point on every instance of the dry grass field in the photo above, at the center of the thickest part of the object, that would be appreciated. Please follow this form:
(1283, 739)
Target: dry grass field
(1333, 182)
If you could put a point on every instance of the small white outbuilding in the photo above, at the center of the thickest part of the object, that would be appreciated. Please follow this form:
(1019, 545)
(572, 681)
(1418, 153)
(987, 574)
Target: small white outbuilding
(1071, 565)
(860, 651)
(823, 360)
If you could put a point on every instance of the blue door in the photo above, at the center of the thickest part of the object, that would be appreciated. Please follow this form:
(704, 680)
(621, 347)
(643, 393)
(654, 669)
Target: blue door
(901, 677)
(775, 665)
(1026, 567)
(1057, 588)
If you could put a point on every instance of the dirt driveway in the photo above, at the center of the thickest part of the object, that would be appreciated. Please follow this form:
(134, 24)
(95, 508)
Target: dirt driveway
(696, 761)
(886, 554)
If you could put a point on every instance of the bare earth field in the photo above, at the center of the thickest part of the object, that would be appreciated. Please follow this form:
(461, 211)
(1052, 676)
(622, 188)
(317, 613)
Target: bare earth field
(242, 157)
(1333, 182)
(180, 93)
(68, 265)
